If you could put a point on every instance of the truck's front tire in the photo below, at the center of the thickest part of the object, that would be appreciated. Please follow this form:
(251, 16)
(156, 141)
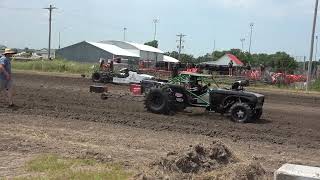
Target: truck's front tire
(241, 113)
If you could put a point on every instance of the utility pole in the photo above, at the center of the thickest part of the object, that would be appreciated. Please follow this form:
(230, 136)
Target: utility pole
(242, 41)
(155, 21)
(59, 39)
(312, 44)
(124, 33)
(50, 8)
(304, 64)
(251, 27)
(316, 53)
(180, 46)
(214, 49)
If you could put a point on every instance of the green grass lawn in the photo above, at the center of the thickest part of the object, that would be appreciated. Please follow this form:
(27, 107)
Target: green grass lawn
(55, 167)
(64, 66)
(56, 65)
(316, 86)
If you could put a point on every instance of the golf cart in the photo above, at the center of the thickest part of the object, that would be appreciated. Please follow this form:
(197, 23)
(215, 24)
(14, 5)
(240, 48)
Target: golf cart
(194, 90)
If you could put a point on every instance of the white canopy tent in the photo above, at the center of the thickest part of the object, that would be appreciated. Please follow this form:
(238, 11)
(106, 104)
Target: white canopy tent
(170, 59)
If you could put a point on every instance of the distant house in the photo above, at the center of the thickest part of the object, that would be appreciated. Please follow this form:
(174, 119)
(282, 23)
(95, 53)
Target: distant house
(43, 53)
(224, 61)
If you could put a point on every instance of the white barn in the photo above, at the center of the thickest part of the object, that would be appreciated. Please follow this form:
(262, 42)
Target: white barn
(91, 52)
(146, 53)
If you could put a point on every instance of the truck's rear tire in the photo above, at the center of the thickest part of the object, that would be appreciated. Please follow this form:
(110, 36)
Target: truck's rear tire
(157, 101)
(96, 77)
(241, 113)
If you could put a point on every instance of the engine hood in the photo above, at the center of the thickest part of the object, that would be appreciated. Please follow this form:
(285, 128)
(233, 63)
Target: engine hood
(254, 94)
(241, 93)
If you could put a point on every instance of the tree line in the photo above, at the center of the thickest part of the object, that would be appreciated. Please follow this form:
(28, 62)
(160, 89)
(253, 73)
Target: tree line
(279, 61)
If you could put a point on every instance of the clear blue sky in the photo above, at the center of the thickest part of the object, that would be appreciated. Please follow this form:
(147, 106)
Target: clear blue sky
(280, 25)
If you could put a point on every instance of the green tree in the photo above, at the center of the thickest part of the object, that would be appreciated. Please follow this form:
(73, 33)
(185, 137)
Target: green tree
(283, 62)
(279, 61)
(185, 58)
(153, 43)
(205, 58)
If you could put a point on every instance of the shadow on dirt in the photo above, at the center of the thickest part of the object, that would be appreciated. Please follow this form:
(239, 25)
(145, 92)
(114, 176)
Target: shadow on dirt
(263, 121)
(218, 116)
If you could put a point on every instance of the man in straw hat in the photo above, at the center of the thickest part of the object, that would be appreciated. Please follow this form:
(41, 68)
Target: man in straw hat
(5, 74)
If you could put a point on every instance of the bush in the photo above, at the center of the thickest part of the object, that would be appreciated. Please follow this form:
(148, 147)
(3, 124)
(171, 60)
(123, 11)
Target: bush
(56, 65)
(316, 85)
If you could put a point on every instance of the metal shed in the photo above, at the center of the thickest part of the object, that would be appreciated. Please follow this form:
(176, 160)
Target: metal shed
(91, 52)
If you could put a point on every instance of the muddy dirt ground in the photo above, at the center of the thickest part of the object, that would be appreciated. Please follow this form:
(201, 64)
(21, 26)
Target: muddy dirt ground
(59, 115)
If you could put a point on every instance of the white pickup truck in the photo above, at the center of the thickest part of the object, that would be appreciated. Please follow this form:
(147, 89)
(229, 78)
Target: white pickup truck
(124, 77)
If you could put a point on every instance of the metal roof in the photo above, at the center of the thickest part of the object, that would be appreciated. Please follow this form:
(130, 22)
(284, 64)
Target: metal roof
(113, 49)
(170, 59)
(224, 61)
(235, 59)
(137, 46)
(143, 47)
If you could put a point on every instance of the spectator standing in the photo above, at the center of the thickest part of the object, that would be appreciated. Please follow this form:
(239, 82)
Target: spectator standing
(6, 83)
(230, 68)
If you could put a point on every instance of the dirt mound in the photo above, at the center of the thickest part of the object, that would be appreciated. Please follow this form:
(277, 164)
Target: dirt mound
(238, 171)
(214, 161)
(199, 158)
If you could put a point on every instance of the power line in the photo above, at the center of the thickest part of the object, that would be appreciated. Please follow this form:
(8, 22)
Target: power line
(50, 8)
(180, 46)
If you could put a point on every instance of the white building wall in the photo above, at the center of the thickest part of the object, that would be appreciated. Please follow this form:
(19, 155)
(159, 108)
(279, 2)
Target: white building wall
(150, 56)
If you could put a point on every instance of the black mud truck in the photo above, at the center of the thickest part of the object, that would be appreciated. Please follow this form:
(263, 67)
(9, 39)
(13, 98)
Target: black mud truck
(194, 90)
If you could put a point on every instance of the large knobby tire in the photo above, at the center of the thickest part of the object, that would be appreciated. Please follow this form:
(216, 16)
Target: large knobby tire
(96, 77)
(256, 115)
(157, 101)
(241, 113)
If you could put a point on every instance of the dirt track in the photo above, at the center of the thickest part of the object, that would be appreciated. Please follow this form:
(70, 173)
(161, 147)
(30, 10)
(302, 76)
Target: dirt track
(290, 123)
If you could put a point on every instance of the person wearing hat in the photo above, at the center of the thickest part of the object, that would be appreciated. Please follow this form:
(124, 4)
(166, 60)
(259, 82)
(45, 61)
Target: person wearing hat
(5, 74)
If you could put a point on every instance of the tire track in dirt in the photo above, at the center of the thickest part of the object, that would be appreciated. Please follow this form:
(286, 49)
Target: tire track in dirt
(287, 118)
